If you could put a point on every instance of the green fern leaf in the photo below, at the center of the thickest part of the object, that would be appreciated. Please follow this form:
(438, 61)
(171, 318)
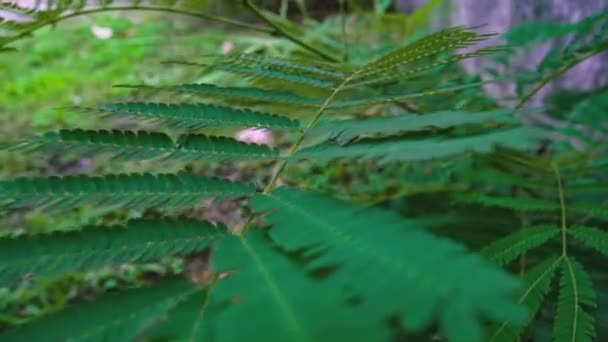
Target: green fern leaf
(537, 283)
(398, 75)
(124, 144)
(319, 70)
(254, 95)
(201, 147)
(132, 190)
(190, 320)
(424, 48)
(263, 277)
(195, 116)
(506, 249)
(416, 150)
(390, 262)
(114, 317)
(345, 130)
(591, 237)
(595, 210)
(145, 145)
(576, 294)
(94, 247)
(277, 75)
(20, 10)
(379, 99)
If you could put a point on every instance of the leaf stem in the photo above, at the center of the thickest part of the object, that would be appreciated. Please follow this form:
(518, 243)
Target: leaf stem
(555, 75)
(310, 125)
(562, 204)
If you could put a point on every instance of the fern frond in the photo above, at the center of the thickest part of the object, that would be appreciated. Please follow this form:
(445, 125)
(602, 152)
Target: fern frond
(236, 93)
(94, 247)
(429, 46)
(146, 145)
(508, 248)
(379, 99)
(379, 254)
(592, 210)
(113, 317)
(336, 72)
(591, 237)
(189, 320)
(537, 283)
(135, 190)
(124, 144)
(345, 130)
(576, 294)
(15, 8)
(277, 75)
(416, 150)
(195, 116)
(399, 75)
(201, 147)
(263, 277)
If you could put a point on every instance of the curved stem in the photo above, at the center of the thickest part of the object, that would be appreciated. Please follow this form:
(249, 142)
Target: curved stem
(200, 15)
(277, 29)
(562, 204)
(555, 75)
(310, 125)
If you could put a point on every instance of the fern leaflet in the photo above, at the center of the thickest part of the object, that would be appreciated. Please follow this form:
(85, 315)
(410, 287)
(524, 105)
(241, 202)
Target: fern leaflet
(507, 249)
(195, 116)
(145, 145)
(345, 130)
(397, 250)
(576, 294)
(416, 150)
(429, 46)
(113, 317)
(261, 276)
(135, 190)
(253, 95)
(93, 247)
(537, 283)
(591, 237)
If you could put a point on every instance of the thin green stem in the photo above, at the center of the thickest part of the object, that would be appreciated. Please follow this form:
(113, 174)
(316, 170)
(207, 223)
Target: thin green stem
(562, 204)
(522, 257)
(300, 139)
(294, 148)
(277, 29)
(200, 15)
(555, 75)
